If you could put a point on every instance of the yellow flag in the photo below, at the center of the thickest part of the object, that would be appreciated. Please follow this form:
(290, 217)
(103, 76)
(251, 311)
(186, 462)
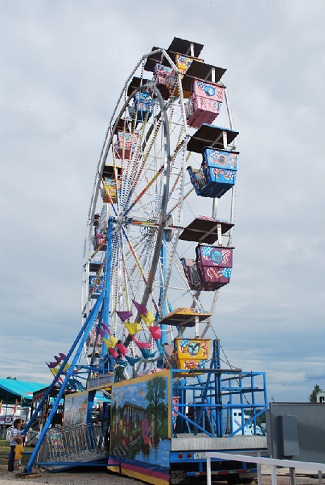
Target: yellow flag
(114, 341)
(110, 342)
(148, 318)
(133, 328)
(107, 342)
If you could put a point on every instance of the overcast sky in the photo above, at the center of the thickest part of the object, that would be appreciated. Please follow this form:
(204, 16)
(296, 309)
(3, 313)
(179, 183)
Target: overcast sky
(63, 65)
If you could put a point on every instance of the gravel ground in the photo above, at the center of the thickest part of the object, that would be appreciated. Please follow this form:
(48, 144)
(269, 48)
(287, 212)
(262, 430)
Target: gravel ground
(103, 477)
(80, 477)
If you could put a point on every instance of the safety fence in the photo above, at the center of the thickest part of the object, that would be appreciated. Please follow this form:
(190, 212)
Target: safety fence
(273, 463)
(72, 445)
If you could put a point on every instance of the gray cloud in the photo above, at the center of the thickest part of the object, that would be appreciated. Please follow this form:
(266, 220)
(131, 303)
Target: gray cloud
(63, 67)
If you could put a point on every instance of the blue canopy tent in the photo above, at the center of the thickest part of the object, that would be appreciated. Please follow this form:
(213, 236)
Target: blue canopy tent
(13, 389)
(14, 393)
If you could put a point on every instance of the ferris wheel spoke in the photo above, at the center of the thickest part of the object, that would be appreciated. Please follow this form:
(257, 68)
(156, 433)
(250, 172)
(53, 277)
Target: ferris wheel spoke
(148, 186)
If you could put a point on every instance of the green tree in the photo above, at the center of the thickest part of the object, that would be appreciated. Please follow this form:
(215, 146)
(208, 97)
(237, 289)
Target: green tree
(156, 393)
(313, 395)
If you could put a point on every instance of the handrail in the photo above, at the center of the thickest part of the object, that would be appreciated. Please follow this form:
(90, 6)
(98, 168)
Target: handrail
(272, 462)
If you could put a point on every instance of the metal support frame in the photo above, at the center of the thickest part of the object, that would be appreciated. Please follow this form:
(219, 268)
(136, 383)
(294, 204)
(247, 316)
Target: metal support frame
(208, 391)
(108, 265)
(81, 339)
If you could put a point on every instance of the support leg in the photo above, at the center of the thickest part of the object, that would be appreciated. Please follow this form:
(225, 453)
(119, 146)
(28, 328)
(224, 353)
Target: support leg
(320, 477)
(208, 471)
(259, 471)
(273, 475)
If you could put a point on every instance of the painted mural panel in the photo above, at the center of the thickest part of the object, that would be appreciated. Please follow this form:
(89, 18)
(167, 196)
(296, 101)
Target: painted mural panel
(75, 408)
(139, 420)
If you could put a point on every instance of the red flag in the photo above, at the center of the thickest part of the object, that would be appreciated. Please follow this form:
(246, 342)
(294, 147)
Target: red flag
(123, 350)
(155, 332)
(113, 352)
(141, 345)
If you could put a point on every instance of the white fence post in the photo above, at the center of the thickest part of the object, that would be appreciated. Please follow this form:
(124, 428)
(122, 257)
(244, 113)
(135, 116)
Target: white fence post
(208, 470)
(274, 479)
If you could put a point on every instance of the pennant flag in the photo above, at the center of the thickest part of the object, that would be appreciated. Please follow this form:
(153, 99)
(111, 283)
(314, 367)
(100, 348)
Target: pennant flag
(63, 356)
(146, 354)
(54, 372)
(121, 362)
(110, 342)
(107, 343)
(113, 352)
(155, 332)
(52, 365)
(105, 327)
(133, 328)
(142, 310)
(141, 345)
(123, 350)
(58, 359)
(146, 316)
(124, 315)
(132, 360)
(66, 367)
(101, 331)
(113, 340)
(160, 347)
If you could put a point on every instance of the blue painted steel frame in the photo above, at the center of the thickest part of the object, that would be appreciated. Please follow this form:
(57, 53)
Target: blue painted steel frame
(81, 339)
(82, 336)
(108, 265)
(163, 339)
(207, 394)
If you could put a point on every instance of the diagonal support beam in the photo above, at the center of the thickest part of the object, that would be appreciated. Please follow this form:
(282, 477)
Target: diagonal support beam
(81, 339)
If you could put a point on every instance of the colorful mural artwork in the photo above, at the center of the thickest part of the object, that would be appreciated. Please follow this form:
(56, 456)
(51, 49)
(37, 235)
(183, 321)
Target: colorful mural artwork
(139, 423)
(192, 353)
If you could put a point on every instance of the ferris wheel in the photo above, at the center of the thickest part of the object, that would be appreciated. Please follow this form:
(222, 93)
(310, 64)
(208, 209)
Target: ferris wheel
(158, 248)
(158, 245)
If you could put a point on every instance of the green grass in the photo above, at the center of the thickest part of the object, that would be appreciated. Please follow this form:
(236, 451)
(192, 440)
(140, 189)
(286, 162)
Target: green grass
(5, 449)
